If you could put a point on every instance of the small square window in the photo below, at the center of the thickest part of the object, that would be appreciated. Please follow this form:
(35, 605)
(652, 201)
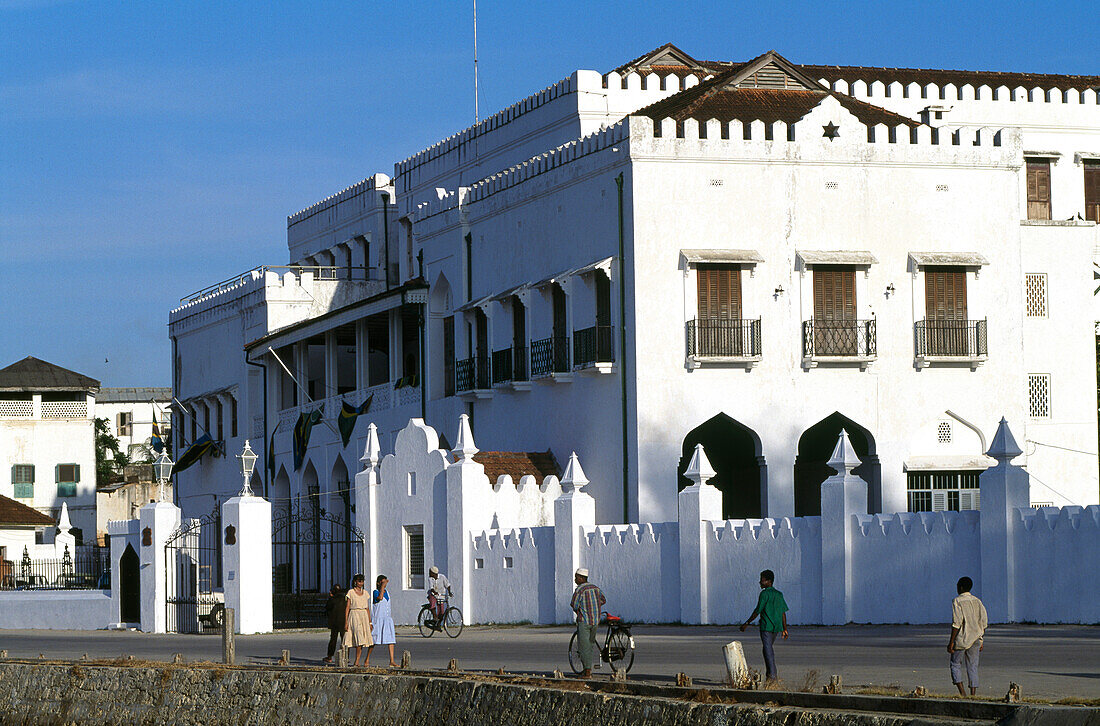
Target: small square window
(67, 477)
(22, 479)
(508, 563)
(943, 432)
(412, 483)
(479, 563)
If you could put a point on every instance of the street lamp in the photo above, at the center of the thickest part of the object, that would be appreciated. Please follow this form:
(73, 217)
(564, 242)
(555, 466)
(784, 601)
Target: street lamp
(162, 469)
(248, 463)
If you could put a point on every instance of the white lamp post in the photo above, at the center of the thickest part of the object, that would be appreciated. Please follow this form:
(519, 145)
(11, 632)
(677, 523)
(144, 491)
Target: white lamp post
(248, 463)
(162, 469)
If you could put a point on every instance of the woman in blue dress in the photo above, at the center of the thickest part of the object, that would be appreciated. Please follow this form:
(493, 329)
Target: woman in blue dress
(383, 621)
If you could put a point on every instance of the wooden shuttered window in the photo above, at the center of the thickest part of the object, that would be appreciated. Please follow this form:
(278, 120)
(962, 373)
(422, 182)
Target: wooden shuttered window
(1092, 191)
(945, 293)
(834, 293)
(449, 355)
(1038, 189)
(22, 479)
(719, 292)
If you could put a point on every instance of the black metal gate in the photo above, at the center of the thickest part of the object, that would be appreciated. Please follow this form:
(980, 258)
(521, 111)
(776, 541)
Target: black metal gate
(193, 566)
(312, 550)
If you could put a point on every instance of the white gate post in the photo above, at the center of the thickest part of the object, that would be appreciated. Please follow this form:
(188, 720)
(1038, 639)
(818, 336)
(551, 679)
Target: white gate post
(843, 496)
(1004, 489)
(697, 505)
(366, 503)
(467, 512)
(157, 522)
(246, 562)
(574, 511)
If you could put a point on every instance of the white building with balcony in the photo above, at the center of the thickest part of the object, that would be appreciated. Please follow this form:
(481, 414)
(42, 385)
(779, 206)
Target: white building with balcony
(47, 441)
(749, 256)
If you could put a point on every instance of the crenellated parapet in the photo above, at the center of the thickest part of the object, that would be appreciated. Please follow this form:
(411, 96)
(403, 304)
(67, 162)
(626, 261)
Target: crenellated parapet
(879, 90)
(371, 183)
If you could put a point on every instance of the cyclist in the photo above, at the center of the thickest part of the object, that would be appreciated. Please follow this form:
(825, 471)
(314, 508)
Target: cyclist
(586, 603)
(438, 587)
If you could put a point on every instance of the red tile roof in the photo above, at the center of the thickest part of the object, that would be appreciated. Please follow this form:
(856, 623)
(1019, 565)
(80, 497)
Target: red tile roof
(517, 464)
(13, 512)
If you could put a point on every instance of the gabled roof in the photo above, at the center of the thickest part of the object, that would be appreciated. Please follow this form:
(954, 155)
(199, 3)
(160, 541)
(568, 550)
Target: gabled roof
(18, 514)
(34, 374)
(667, 59)
(768, 88)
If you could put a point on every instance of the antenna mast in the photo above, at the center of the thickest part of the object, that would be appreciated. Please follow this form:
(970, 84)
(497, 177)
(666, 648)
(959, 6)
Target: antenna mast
(477, 115)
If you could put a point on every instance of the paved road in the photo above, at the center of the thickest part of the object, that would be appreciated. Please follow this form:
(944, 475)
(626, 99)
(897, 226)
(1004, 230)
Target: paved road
(1047, 661)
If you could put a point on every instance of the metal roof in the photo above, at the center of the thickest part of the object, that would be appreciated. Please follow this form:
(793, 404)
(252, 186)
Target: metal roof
(135, 395)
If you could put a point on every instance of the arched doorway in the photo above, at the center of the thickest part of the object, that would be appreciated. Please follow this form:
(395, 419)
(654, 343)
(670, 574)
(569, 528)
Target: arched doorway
(280, 493)
(733, 449)
(129, 586)
(815, 446)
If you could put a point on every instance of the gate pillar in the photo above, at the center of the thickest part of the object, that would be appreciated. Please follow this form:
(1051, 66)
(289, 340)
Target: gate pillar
(246, 544)
(156, 523)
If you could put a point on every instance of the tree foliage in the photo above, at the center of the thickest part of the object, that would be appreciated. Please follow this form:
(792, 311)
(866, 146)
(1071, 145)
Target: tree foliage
(109, 459)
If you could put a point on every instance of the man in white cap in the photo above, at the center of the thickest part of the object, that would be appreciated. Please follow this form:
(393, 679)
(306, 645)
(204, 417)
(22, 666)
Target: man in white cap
(586, 603)
(438, 586)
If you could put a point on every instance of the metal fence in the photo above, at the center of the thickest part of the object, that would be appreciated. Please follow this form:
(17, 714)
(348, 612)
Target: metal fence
(550, 355)
(593, 345)
(824, 337)
(723, 338)
(958, 338)
(88, 569)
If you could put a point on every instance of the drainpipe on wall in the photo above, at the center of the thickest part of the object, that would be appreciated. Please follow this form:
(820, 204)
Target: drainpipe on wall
(386, 235)
(422, 310)
(622, 348)
(172, 448)
(267, 442)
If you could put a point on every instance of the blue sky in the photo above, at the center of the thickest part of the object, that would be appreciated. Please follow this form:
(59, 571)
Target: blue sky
(149, 149)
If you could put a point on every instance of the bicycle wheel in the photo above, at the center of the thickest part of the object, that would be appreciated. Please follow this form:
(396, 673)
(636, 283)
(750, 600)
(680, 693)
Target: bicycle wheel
(620, 651)
(575, 655)
(426, 622)
(452, 622)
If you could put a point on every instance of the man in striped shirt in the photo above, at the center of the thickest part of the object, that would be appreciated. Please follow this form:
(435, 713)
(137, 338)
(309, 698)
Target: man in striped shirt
(586, 603)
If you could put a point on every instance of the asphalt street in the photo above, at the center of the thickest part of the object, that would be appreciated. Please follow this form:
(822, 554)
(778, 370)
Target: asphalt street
(1047, 661)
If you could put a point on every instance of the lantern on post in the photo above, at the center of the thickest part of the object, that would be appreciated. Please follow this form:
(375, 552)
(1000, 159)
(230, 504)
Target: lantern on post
(248, 463)
(162, 469)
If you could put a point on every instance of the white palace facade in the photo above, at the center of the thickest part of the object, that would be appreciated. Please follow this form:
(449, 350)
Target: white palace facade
(748, 256)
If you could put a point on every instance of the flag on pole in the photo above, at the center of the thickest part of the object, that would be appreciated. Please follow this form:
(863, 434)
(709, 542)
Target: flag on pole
(270, 453)
(193, 453)
(348, 416)
(302, 429)
(155, 440)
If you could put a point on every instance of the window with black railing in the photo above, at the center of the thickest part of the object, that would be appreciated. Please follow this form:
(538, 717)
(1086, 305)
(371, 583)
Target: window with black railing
(824, 337)
(593, 345)
(952, 338)
(550, 355)
(464, 375)
(502, 366)
(723, 338)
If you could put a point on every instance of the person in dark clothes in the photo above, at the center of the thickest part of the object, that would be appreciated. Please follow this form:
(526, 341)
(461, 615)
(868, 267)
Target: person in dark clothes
(335, 609)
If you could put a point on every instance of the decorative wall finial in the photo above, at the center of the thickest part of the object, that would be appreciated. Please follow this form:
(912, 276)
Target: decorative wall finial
(699, 470)
(464, 449)
(573, 479)
(844, 457)
(64, 526)
(1004, 446)
(372, 451)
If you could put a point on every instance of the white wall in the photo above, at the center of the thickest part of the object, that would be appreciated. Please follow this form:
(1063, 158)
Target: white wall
(56, 610)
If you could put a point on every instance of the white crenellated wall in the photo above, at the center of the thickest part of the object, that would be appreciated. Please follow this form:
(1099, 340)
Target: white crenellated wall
(637, 566)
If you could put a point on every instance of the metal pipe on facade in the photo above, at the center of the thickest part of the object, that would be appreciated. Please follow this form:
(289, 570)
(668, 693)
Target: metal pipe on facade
(386, 235)
(267, 441)
(622, 349)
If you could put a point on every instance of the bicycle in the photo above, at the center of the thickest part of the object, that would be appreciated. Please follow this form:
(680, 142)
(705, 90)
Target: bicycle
(451, 624)
(617, 650)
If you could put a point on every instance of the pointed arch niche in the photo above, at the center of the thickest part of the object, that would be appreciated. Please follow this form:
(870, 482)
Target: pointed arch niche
(441, 334)
(815, 446)
(735, 453)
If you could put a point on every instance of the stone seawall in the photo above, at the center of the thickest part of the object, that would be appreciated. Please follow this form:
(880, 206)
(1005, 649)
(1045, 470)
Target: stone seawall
(33, 694)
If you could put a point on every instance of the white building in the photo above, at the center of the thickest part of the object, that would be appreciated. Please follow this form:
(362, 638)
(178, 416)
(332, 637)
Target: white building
(131, 413)
(47, 441)
(743, 255)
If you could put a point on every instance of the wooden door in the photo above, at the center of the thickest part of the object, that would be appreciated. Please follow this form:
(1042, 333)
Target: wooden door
(1038, 189)
(719, 327)
(835, 331)
(1092, 191)
(946, 323)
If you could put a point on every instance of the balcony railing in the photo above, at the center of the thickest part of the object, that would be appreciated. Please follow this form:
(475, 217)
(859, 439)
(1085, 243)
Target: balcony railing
(723, 338)
(825, 338)
(550, 355)
(952, 339)
(472, 373)
(519, 363)
(593, 345)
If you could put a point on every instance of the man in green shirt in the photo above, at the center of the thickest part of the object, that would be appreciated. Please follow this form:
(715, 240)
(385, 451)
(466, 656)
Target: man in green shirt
(772, 609)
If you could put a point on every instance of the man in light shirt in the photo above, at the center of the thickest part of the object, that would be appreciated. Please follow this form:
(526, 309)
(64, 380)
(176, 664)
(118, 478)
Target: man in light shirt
(439, 587)
(968, 624)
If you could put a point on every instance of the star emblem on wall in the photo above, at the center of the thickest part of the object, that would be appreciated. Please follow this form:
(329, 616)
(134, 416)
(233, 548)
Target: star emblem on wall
(832, 131)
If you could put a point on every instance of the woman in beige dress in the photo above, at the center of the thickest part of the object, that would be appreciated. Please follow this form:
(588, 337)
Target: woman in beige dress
(358, 619)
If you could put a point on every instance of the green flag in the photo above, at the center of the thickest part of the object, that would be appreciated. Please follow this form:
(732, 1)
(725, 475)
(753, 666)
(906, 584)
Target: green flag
(348, 416)
(302, 429)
